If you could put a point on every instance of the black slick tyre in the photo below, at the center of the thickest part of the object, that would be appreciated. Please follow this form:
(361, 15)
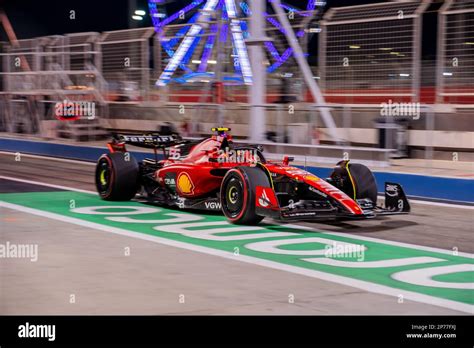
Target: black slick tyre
(238, 194)
(116, 177)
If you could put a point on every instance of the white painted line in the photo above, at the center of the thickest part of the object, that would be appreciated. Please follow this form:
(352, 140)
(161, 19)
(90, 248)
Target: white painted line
(45, 184)
(437, 204)
(359, 284)
(348, 235)
(58, 159)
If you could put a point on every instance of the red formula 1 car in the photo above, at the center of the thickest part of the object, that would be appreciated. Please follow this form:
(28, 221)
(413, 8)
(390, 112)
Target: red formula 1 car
(215, 174)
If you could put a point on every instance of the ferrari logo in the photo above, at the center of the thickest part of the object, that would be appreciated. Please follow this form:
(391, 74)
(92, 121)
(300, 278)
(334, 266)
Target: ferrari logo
(185, 184)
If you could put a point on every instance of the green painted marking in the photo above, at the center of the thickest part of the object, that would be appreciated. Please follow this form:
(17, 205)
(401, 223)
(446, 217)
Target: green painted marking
(59, 203)
(458, 277)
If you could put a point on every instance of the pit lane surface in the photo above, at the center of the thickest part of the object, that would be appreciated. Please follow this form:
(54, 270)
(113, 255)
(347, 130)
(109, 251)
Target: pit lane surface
(158, 279)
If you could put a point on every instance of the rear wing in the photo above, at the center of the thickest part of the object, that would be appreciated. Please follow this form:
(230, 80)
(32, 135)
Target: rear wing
(151, 141)
(147, 141)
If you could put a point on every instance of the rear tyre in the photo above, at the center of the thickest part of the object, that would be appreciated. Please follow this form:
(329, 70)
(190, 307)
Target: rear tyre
(356, 180)
(116, 177)
(238, 194)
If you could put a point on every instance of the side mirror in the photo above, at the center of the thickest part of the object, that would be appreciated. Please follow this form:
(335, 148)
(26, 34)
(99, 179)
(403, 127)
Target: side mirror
(287, 160)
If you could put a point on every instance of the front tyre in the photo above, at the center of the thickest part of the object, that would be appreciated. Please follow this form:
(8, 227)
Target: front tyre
(356, 180)
(238, 194)
(116, 177)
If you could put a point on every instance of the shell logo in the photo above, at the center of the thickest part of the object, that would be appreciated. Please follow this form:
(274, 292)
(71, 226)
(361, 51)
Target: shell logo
(312, 177)
(185, 184)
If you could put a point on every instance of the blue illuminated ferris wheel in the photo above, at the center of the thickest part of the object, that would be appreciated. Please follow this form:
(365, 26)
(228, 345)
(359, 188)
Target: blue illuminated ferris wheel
(192, 36)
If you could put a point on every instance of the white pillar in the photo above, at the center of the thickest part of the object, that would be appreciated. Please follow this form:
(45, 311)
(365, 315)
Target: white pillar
(306, 71)
(258, 88)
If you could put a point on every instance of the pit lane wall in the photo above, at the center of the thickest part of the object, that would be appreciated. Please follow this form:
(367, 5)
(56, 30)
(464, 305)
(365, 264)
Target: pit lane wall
(437, 188)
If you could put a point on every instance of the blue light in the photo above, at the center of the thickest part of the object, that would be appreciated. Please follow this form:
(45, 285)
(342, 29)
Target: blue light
(182, 53)
(175, 16)
(208, 48)
(188, 38)
(275, 23)
(272, 49)
(245, 7)
(284, 57)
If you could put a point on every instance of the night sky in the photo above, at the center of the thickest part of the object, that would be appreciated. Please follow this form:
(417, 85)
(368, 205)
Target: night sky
(33, 18)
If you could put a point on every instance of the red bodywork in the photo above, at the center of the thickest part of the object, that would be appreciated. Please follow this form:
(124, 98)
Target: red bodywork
(199, 169)
(319, 184)
(201, 172)
(200, 176)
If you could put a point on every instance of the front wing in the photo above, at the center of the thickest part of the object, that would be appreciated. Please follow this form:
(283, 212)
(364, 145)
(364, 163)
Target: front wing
(267, 205)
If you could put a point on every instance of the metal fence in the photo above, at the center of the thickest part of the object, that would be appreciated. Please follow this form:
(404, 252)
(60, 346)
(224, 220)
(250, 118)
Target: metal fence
(48, 65)
(125, 63)
(39, 73)
(456, 53)
(370, 52)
